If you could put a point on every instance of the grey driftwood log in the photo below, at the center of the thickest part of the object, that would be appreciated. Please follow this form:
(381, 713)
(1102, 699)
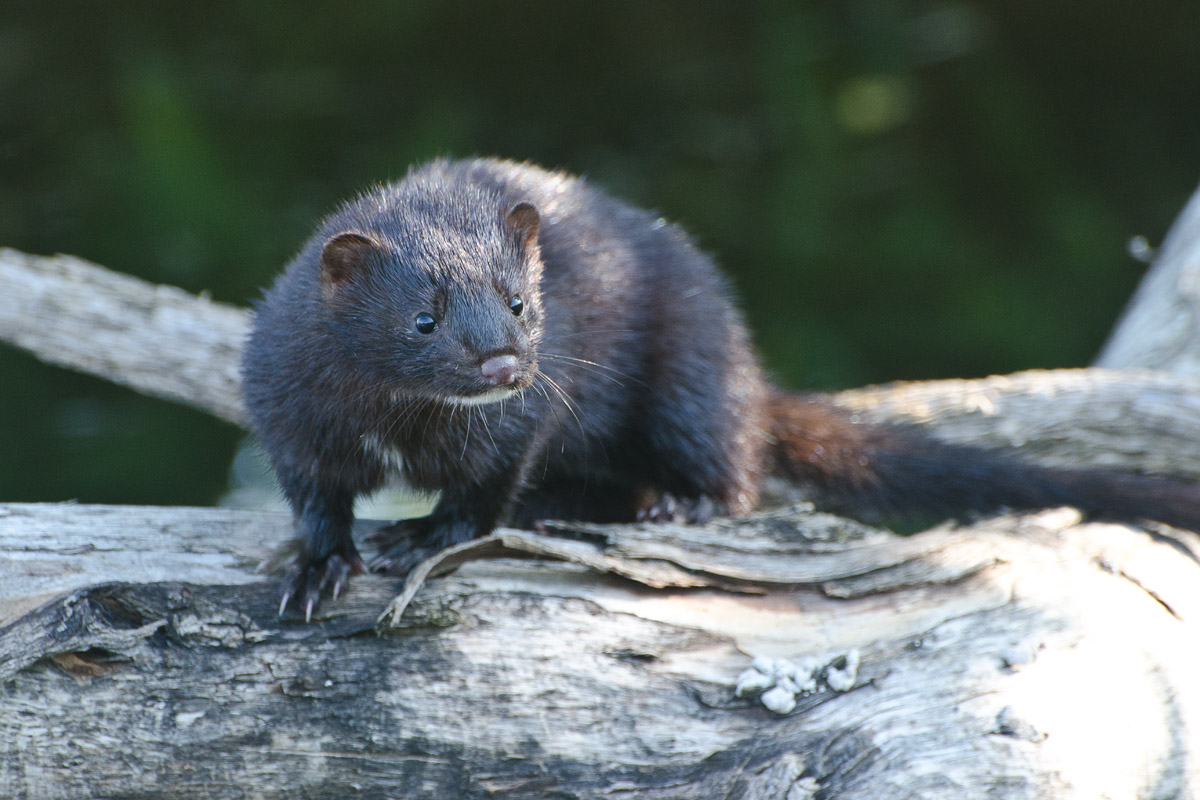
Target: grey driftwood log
(1024, 656)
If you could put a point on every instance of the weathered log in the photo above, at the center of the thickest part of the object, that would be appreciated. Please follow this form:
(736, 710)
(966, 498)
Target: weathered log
(1024, 656)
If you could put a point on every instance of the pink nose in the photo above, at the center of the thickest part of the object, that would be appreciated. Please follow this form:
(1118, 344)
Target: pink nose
(499, 370)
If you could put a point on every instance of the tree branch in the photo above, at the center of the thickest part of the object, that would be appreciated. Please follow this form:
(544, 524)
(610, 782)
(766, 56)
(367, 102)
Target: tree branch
(158, 340)
(1160, 328)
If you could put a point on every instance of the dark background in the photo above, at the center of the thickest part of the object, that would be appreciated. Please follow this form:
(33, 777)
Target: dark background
(899, 189)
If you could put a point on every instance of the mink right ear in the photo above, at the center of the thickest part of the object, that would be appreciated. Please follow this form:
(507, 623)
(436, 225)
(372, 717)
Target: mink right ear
(523, 220)
(343, 257)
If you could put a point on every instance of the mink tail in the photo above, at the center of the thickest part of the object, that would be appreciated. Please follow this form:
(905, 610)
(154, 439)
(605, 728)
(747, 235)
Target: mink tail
(890, 472)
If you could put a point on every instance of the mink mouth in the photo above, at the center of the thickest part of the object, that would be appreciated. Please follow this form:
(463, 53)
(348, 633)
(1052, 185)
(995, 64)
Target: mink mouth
(483, 392)
(494, 395)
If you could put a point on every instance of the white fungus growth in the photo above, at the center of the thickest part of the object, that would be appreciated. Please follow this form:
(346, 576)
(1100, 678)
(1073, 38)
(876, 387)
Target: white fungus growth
(752, 682)
(841, 678)
(779, 700)
(764, 664)
(780, 682)
(804, 675)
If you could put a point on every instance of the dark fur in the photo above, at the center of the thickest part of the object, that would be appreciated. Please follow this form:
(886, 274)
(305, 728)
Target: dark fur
(641, 393)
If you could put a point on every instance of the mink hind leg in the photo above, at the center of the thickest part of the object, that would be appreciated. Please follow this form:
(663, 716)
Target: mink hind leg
(583, 498)
(696, 451)
(706, 448)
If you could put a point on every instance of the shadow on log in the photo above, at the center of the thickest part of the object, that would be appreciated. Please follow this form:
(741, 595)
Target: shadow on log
(1039, 655)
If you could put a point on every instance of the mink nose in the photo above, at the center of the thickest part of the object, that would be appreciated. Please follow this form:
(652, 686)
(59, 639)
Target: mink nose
(499, 370)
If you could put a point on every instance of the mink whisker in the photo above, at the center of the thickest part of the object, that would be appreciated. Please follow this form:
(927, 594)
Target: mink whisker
(487, 429)
(566, 400)
(467, 437)
(583, 362)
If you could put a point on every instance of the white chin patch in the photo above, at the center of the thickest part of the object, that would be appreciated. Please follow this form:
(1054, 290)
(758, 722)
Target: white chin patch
(492, 396)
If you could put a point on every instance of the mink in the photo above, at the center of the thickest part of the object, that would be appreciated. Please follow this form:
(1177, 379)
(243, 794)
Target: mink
(532, 348)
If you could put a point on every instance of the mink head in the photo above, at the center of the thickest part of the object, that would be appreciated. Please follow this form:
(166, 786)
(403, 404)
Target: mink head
(434, 292)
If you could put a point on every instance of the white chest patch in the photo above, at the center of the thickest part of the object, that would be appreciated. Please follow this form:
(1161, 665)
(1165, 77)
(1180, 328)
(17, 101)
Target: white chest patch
(396, 498)
(393, 459)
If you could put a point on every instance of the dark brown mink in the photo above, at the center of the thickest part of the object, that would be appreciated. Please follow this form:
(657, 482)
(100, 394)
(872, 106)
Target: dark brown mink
(532, 348)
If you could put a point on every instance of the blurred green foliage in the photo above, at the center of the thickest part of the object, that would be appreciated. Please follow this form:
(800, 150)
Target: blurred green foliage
(900, 189)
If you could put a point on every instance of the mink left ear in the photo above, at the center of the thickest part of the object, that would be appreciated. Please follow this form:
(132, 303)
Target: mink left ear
(523, 220)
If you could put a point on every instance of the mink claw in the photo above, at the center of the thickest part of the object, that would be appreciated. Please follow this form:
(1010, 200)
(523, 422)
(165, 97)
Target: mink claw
(293, 584)
(687, 510)
(380, 563)
(305, 583)
(703, 510)
(339, 570)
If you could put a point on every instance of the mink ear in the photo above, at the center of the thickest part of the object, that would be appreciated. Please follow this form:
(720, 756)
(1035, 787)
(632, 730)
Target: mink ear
(343, 257)
(523, 220)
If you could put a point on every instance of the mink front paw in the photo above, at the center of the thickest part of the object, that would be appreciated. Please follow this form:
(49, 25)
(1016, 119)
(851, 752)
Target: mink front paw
(402, 545)
(405, 544)
(306, 580)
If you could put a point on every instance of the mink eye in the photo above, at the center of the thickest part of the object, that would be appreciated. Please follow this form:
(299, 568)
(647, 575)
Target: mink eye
(516, 306)
(425, 324)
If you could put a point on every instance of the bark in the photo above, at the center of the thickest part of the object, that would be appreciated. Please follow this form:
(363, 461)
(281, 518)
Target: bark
(1023, 656)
